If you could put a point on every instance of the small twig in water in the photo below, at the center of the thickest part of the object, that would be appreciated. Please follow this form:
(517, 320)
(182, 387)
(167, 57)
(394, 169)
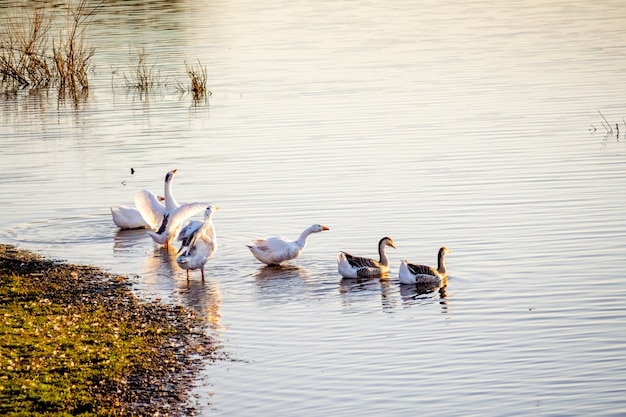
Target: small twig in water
(607, 126)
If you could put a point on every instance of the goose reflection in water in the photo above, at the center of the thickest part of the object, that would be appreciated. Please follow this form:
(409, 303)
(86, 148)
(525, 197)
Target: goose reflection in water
(282, 282)
(204, 297)
(128, 239)
(161, 262)
(162, 274)
(353, 290)
(420, 293)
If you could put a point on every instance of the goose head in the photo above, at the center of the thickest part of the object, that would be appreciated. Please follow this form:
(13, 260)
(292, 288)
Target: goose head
(210, 210)
(170, 175)
(316, 228)
(386, 241)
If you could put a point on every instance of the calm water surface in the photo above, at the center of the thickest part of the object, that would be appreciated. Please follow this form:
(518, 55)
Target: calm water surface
(435, 123)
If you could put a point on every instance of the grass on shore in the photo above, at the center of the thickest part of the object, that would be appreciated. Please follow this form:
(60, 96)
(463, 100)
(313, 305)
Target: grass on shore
(76, 341)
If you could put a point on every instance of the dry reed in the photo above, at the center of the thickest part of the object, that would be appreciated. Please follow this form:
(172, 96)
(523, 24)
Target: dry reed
(33, 57)
(198, 79)
(142, 77)
(24, 62)
(71, 54)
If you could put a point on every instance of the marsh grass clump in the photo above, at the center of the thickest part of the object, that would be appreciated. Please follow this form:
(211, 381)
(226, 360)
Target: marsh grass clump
(71, 54)
(34, 56)
(24, 49)
(75, 340)
(198, 79)
(197, 86)
(142, 76)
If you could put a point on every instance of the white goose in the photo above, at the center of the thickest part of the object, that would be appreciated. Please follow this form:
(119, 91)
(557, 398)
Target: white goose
(126, 217)
(423, 274)
(350, 266)
(199, 242)
(276, 250)
(165, 222)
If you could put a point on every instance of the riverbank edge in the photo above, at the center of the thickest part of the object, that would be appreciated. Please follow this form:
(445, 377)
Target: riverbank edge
(176, 340)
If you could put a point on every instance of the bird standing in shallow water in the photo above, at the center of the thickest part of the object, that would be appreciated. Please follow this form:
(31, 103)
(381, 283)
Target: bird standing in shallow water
(423, 274)
(350, 266)
(165, 221)
(276, 250)
(198, 242)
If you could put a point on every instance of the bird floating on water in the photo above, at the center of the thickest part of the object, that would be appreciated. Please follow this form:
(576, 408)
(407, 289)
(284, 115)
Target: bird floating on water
(130, 217)
(423, 274)
(350, 266)
(165, 221)
(198, 242)
(276, 250)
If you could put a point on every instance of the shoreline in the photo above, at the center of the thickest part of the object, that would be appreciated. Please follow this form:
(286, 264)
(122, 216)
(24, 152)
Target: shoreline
(152, 353)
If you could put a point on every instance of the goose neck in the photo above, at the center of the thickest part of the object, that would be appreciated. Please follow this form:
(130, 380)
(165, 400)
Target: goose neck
(301, 241)
(384, 260)
(441, 263)
(170, 201)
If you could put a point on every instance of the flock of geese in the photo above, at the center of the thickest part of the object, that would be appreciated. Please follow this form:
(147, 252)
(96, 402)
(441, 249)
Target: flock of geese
(165, 218)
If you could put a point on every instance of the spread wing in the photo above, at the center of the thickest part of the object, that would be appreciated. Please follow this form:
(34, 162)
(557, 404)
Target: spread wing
(185, 211)
(150, 208)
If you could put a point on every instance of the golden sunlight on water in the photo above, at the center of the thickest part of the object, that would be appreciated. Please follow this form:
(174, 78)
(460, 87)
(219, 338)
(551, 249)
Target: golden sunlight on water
(473, 126)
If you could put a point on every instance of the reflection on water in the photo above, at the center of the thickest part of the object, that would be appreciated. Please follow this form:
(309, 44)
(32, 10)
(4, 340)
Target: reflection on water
(355, 291)
(162, 274)
(390, 293)
(161, 263)
(203, 297)
(421, 293)
(270, 273)
(430, 122)
(128, 240)
(280, 284)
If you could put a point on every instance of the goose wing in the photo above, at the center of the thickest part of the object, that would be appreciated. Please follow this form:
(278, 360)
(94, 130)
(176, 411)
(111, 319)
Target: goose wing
(361, 262)
(150, 208)
(185, 211)
(274, 250)
(421, 269)
(189, 234)
(273, 244)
